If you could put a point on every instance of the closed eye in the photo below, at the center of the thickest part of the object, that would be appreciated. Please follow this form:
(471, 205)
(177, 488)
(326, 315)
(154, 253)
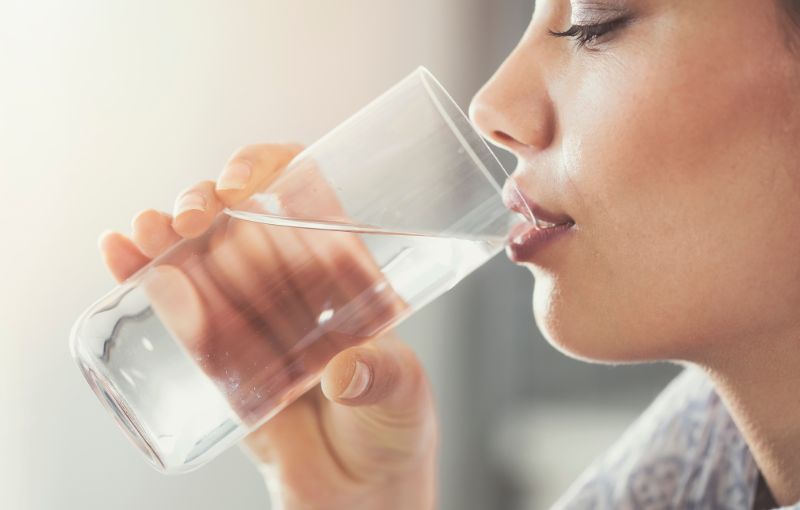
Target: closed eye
(587, 34)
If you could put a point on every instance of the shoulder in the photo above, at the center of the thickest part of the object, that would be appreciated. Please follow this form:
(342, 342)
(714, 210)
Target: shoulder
(684, 451)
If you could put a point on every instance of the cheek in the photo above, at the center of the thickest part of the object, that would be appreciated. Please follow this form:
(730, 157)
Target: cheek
(680, 211)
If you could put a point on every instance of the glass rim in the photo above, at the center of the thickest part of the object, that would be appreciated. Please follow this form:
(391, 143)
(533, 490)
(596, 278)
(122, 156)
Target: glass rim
(422, 83)
(429, 80)
(482, 144)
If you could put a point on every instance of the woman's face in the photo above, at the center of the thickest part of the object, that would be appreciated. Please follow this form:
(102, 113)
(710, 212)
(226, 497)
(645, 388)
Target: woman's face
(672, 141)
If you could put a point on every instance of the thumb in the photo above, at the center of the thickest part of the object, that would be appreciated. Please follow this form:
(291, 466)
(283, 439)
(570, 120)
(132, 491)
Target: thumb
(383, 416)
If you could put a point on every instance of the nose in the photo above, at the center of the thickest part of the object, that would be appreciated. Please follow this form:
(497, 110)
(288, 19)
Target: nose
(513, 109)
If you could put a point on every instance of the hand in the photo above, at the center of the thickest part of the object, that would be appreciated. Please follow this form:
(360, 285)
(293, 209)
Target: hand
(365, 437)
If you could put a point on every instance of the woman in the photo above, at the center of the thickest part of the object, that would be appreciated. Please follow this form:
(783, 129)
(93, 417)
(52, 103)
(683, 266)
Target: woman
(659, 140)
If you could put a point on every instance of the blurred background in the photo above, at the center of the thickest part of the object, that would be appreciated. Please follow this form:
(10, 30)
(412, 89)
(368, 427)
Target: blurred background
(108, 107)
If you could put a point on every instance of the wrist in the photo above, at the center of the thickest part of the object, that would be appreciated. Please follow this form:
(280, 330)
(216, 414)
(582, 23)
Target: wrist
(412, 491)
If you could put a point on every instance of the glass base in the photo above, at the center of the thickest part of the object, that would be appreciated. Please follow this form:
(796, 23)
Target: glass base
(117, 406)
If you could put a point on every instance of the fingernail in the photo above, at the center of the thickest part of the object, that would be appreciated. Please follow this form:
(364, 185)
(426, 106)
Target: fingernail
(191, 201)
(235, 176)
(359, 382)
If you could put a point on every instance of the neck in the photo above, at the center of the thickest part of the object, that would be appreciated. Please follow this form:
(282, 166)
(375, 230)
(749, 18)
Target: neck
(760, 384)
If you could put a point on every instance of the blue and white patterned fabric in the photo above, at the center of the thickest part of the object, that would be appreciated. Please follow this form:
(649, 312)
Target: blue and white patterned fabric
(683, 452)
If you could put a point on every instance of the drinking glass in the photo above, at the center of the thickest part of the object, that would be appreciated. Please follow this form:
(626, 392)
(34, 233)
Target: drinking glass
(363, 228)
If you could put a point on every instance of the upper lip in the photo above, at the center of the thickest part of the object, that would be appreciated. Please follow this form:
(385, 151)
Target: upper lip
(514, 198)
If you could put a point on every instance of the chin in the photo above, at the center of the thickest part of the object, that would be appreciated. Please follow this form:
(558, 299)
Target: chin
(589, 329)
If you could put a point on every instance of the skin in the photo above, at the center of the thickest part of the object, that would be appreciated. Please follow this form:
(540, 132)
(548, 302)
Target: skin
(671, 142)
(352, 441)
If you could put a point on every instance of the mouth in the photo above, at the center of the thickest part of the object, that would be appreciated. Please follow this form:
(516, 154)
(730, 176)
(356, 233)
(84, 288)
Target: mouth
(541, 227)
(527, 240)
(516, 200)
(544, 224)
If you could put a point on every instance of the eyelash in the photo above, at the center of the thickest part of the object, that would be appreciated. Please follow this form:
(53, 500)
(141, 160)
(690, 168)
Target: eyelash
(586, 34)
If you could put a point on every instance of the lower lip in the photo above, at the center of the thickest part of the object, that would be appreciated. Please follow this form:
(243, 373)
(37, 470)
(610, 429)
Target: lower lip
(526, 240)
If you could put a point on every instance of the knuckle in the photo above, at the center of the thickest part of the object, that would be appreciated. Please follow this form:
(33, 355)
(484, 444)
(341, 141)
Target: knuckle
(183, 192)
(144, 216)
(205, 185)
(248, 153)
(256, 153)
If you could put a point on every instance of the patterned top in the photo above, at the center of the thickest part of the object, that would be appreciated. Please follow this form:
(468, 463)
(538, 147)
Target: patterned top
(683, 452)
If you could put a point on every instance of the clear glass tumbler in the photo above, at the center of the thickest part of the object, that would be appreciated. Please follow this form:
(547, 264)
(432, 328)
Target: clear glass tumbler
(364, 227)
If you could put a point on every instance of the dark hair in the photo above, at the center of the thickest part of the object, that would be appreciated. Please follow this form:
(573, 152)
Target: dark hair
(792, 10)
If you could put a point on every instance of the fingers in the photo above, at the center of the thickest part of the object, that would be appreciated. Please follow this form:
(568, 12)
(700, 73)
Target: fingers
(252, 168)
(153, 232)
(252, 259)
(176, 302)
(120, 255)
(385, 422)
(387, 426)
(384, 373)
(249, 170)
(306, 192)
(195, 210)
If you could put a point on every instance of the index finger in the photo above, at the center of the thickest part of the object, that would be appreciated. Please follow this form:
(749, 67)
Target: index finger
(252, 168)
